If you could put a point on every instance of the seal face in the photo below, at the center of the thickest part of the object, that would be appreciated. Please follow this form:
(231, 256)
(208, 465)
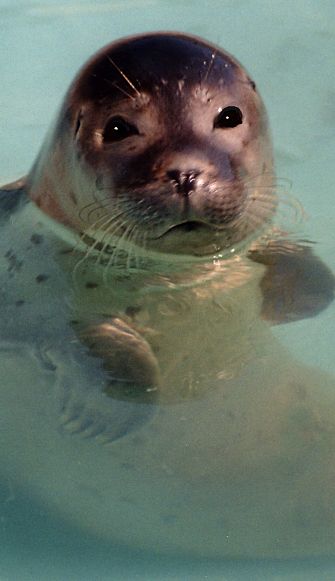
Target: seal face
(162, 143)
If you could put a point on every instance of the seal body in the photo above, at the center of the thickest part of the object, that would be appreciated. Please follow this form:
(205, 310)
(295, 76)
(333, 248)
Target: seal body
(146, 398)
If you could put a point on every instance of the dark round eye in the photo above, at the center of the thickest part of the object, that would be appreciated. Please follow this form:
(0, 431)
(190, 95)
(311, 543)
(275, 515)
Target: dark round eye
(118, 129)
(227, 118)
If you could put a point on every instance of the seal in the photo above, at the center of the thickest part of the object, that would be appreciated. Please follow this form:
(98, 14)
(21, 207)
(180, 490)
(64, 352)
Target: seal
(142, 257)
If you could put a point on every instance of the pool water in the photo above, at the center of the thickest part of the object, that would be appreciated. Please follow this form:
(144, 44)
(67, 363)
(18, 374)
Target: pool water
(289, 50)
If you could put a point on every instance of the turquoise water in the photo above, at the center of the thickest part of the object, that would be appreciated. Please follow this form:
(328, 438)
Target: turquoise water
(289, 49)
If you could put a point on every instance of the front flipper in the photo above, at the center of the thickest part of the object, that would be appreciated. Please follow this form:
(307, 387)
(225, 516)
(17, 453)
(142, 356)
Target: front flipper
(118, 388)
(296, 283)
(132, 368)
(86, 410)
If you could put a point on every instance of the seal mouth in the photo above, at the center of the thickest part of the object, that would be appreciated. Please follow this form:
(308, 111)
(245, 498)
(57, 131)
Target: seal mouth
(186, 227)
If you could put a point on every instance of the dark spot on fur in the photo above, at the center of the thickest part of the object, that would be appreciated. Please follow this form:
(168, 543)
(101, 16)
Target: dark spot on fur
(99, 182)
(42, 277)
(37, 238)
(66, 251)
(14, 264)
(132, 311)
(74, 322)
(90, 284)
(73, 197)
(19, 303)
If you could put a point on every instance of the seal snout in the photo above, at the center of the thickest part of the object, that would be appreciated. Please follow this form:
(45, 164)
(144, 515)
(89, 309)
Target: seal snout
(184, 182)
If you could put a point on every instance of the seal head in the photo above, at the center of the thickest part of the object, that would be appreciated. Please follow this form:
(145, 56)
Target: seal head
(161, 143)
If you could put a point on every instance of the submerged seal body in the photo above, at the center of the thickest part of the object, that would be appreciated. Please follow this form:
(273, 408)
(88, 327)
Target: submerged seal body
(140, 255)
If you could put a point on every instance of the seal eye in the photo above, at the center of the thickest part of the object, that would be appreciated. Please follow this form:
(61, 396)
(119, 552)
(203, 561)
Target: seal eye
(118, 129)
(227, 118)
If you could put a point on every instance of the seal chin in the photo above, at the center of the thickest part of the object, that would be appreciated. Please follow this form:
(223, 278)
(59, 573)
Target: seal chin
(186, 227)
(189, 237)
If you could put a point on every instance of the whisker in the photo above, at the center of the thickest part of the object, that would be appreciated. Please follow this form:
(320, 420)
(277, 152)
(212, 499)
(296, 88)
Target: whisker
(82, 210)
(138, 242)
(210, 66)
(100, 224)
(131, 249)
(103, 204)
(124, 76)
(124, 243)
(93, 206)
(92, 233)
(114, 84)
(110, 263)
(90, 250)
(134, 249)
(112, 231)
(123, 91)
(290, 212)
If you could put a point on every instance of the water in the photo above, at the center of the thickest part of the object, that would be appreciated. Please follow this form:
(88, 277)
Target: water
(289, 51)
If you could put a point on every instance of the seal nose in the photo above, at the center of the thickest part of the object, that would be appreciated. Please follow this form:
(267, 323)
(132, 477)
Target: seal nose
(184, 182)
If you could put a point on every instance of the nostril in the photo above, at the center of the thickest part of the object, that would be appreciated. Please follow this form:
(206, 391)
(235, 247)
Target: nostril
(173, 175)
(184, 181)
